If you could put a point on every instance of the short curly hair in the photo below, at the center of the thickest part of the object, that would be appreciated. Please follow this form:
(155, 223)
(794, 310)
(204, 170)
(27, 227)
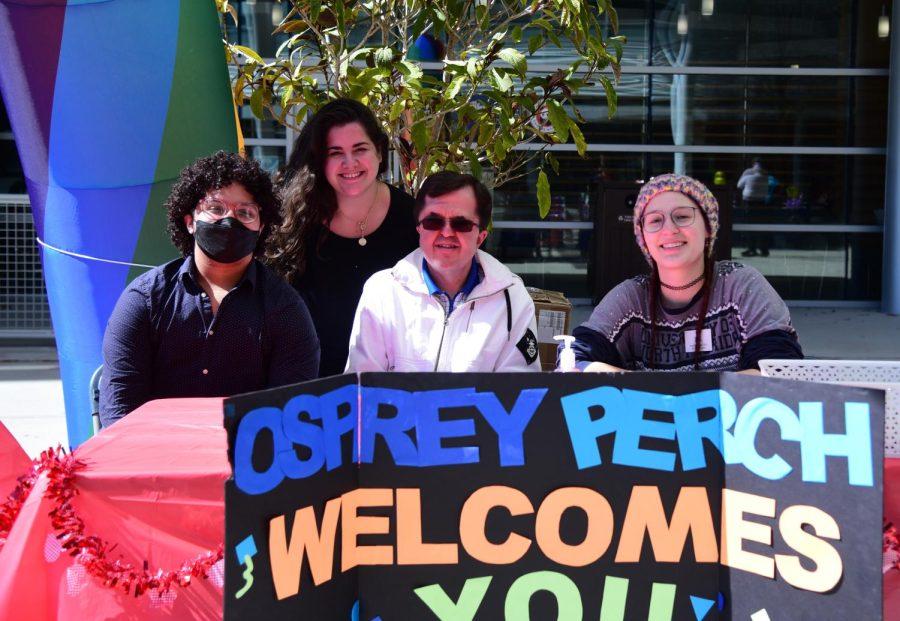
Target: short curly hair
(217, 171)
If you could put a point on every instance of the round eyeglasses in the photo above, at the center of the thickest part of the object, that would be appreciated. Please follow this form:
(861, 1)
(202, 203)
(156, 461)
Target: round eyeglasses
(216, 208)
(681, 217)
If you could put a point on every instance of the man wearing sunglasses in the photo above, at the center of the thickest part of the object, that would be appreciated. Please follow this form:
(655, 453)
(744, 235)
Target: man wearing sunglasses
(447, 306)
(216, 322)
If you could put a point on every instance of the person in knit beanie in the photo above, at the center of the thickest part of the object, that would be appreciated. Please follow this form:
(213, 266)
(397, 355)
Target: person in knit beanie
(682, 184)
(689, 312)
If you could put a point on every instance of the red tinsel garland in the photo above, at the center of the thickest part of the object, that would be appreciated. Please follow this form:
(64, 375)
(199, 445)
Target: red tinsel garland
(89, 550)
(890, 545)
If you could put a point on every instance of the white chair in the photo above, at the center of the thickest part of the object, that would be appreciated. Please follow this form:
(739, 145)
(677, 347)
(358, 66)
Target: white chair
(884, 375)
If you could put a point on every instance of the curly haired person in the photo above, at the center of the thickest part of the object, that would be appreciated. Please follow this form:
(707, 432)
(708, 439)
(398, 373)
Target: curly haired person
(215, 322)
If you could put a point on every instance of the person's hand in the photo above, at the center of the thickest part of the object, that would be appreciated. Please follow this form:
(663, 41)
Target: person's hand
(602, 367)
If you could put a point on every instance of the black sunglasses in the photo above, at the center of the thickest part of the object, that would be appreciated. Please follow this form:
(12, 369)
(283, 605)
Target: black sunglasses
(457, 223)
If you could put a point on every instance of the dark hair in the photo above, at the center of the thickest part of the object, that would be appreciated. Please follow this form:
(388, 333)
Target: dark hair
(448, 181)
(308, 199)
(654, 293)
(214, 172)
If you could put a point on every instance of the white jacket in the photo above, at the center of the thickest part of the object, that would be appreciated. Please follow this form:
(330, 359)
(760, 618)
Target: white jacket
(399, 326)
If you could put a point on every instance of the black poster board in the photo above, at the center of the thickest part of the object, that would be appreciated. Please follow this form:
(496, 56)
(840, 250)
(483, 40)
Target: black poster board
(545, 496)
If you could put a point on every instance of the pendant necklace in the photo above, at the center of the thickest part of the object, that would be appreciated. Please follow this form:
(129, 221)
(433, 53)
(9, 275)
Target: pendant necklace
(362, 223)
(682, 287)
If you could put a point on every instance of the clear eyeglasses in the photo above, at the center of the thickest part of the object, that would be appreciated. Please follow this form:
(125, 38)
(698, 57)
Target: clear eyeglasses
(681, 217)
(247, 213)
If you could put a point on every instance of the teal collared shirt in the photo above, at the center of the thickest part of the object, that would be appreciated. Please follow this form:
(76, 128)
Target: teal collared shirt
(446, 300)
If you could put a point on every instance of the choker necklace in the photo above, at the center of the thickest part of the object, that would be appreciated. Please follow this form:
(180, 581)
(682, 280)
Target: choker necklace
(362, 223)
(682, 287)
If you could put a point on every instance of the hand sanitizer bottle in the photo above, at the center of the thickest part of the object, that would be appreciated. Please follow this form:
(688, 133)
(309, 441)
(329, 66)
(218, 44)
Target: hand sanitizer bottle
(567, 355)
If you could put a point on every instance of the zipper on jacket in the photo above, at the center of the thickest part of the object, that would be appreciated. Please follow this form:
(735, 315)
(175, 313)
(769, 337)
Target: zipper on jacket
(471, 304)
(437, 360)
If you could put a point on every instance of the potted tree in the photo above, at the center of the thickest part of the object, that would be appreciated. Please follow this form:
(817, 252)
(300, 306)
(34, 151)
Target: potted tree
(449, 80)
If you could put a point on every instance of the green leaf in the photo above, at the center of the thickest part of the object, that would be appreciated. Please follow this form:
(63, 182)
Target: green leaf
(559, 119)
(472, 68)
(286, 95)
(256, 104)
(474, 164)
(578, 137)
(551, 159)
(535, 42)
(554, 38)
(485, 131)
(454, 88)
(516, 33)
(501, 80)
(515, 58)
(315, 7)
(250, 54)
(384, 56)
(612, 98)
(410, 70)
(397, 109)
(543, 194)
(482, 15)
(420, 137)
(612, 14)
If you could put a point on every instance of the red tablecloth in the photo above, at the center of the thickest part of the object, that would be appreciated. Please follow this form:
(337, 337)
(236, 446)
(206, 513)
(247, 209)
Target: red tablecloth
(14, 462)
(154, 484)
(892, 513)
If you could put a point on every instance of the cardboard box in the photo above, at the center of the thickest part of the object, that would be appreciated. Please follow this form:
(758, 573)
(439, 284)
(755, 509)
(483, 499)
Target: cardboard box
(553, 312)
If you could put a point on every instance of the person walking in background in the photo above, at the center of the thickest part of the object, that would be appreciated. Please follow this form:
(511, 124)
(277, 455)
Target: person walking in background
(216, 322)
(690, 313)
(341, 223)
(754, 187)
(446, 306)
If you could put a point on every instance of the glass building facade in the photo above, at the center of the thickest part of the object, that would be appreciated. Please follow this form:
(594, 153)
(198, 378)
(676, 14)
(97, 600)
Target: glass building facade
(708, 87)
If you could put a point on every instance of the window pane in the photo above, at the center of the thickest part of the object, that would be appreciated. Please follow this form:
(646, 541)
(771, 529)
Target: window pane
(573, 191)
(808, 33)
(270, 158)
(711, 40)
(801, 189)
(815, 266)
(769, 110)
(627, 126)
(556, 259)
(769, 33)
(252, 127)
(257, 19)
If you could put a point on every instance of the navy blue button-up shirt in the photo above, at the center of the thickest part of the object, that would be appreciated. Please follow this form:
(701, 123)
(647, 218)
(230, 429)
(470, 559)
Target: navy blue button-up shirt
(163, 340)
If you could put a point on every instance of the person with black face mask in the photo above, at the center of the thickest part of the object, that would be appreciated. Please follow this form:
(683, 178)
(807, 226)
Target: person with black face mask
(216, 322)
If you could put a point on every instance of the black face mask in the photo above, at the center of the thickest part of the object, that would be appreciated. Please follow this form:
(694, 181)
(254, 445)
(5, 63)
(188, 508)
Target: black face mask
(226, 240)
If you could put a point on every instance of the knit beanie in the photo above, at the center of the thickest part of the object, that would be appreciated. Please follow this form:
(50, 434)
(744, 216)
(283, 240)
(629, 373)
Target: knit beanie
(683, 184)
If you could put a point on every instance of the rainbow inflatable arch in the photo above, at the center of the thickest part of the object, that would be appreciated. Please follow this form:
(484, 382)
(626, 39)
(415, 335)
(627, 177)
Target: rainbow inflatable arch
(108, 100)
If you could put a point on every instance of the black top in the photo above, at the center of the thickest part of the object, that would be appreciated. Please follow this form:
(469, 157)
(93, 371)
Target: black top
(337, 270)
(162, 339)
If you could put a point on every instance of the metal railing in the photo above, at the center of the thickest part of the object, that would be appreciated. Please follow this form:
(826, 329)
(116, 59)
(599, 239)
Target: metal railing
(24, 312)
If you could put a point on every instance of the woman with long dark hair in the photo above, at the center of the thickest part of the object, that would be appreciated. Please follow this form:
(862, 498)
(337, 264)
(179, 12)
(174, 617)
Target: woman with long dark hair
(341, 223)
(689, 313)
